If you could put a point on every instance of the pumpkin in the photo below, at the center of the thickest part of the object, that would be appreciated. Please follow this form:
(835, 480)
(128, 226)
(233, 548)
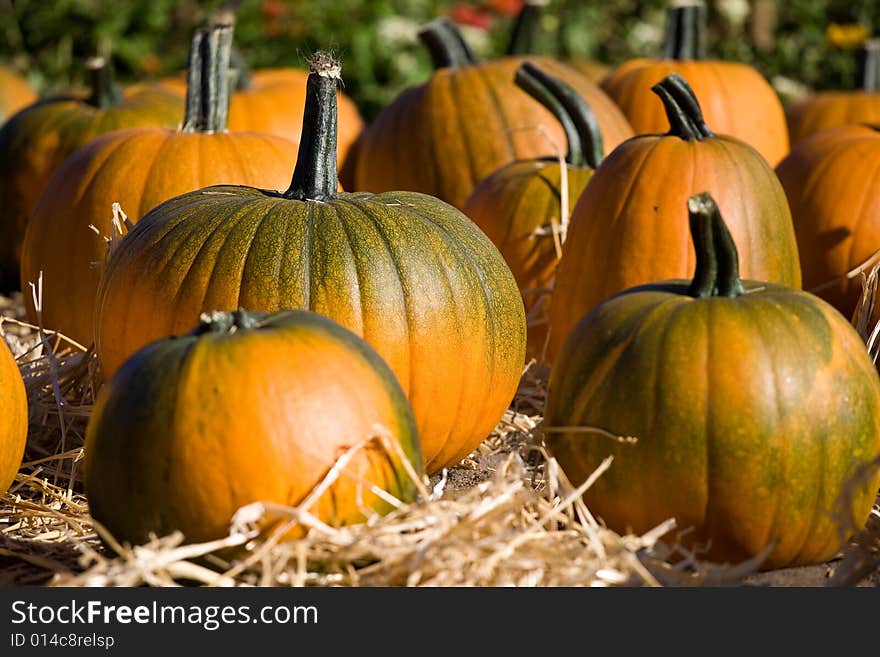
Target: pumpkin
(629, 227)
(139, 168)
(835, 237)
(518, 205)
(752, 406)
(830, 109)
(443, 137)
(34, 142)
(247, 408)
(737, 99)
(13, 418)
(410, 274)
(15, 93)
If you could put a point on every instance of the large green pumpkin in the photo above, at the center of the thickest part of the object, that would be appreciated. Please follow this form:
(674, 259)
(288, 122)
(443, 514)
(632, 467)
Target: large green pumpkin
(753, 405)
(407, 272)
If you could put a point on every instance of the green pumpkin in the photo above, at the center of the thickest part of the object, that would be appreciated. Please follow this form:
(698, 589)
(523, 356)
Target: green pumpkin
(410, 274)
(752, 403)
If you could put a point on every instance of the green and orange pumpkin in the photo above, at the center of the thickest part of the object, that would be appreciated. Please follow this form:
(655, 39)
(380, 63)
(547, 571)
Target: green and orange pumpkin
(248, 408)
(410, 274)
(753, 406)
(139, 168)
(630, 226)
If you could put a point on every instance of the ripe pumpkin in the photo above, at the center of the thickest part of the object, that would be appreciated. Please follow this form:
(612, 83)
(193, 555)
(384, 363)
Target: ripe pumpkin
(13, 418)
(834, 237)
(753, 404)
(443, 137)
(34, 142)
(737, 100)
(15, 93)
(139, 168)
(410, 274)
(518, 204)
(629, 227)
(246, 408)
(830, 109)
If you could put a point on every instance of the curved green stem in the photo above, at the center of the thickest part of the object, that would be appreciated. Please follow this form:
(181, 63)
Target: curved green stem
(446, 44)
(314, 177)
(685, 32)
(105, 93)
(581, 128)
(524, 37)
(869, 66)
(682, 108)
(207, 82)
(717, 271)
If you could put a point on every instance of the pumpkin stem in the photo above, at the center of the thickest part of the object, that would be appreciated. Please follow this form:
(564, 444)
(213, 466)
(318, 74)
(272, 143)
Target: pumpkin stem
(227, 322)
(524, 37)
(104, 92)
(869, 66)
(238, 66)
(581, 128)
(314, 177)
(446, 44)
(207, 82)
(682, 108)
(685, 32)
(717, 271)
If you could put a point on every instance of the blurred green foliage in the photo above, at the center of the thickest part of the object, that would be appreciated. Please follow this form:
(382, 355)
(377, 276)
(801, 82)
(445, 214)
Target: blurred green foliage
(376, 39)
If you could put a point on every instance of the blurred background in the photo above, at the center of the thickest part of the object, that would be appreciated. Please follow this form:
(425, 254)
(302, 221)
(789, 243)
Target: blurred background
(797, 44)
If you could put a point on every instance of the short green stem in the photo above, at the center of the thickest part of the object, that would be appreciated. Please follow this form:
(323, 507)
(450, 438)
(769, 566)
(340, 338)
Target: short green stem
(446, 44)
(682, 108)
(869, 66)
(105, 93)
(685, 32)
(207, 86)
(717, 271)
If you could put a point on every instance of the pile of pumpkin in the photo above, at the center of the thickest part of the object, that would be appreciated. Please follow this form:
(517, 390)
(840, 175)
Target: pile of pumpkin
(377, 335)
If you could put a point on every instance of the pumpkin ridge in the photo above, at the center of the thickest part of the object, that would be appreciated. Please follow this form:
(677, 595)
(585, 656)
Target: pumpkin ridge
(251, 252)
(357, 293)
(150, 171)
(868, 192)
(500, 111)
(749, 219)
(454, 92)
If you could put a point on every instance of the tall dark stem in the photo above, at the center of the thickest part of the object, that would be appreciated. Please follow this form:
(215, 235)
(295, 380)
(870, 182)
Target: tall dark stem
(207, 86)
(581, 128)
(446, 44)
(524, 36)
(105, 93)
(717, 271)
(314, 177)
(869, 66)
(682, 108)
(685, 32)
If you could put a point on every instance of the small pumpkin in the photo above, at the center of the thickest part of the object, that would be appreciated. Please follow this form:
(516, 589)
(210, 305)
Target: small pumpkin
(752, 404)
(139, 168)
(13, 418)
(445, 136)
(835, 236)
(830, 109)
(737, 100)
(35, 141)
(629, 227)
(247, 408)
(410, 274)
(519, 204)
(15, 93)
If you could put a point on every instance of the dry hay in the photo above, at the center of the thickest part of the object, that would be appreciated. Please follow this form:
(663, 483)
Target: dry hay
(507, 516)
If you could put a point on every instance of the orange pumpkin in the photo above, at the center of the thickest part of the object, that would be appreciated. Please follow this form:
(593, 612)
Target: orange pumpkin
(15, 93)
(139, 168)
(518, 205)
(829, 109)
(13, 418)
(835, 237)
(445, 136)
(736, 99)
(34, 142)
(247, 408)
(630, 226)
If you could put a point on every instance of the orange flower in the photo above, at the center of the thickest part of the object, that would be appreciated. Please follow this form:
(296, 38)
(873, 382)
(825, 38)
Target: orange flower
(509, 7)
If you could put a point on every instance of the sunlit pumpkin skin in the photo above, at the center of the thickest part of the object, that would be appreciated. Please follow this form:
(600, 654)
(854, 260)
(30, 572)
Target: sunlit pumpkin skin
(138, 168)
(751, 410)
(445, 136)
(736, 99)
(34, 142)
(15, 93)
(831, 109)
(518, 204)
(246, 409)
(629, 226)
(834, 237)
(411, 275)
(13, 418)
